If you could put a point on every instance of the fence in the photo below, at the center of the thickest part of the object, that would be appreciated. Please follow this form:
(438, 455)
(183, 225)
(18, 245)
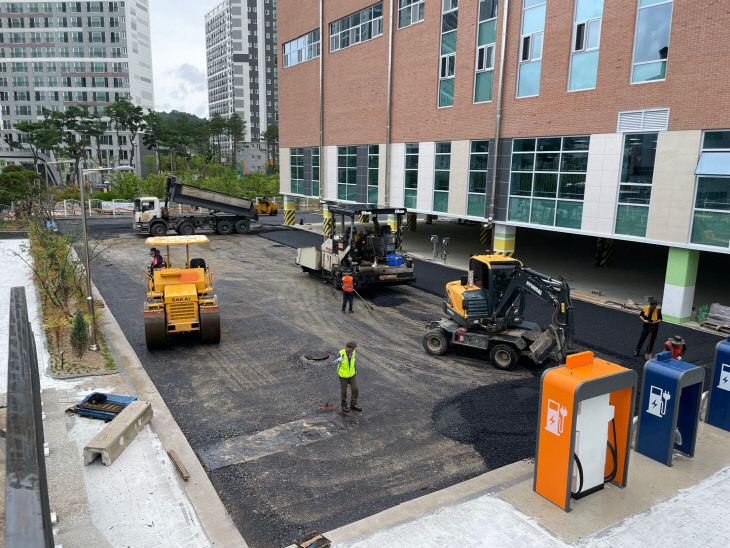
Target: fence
(113, 207)
(27, 511)
(6, 213)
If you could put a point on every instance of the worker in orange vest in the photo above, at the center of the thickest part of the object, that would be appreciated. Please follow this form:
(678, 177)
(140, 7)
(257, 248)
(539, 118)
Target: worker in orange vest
(348, 288)
(676, 346)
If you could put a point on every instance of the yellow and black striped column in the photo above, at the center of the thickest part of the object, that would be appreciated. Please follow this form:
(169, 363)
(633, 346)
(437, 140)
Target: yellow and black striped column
(326, 220)
(504, 239)
(364, 219)
(604, 252)
(411, 223)
(485, 236)
(289, 206)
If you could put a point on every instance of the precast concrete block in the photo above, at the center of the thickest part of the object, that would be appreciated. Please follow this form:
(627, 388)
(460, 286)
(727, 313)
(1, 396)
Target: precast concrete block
(119, 433)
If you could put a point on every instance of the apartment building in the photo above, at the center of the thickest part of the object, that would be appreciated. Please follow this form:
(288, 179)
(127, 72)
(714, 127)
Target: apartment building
(59, 54)
(241, 54)
(605, 119)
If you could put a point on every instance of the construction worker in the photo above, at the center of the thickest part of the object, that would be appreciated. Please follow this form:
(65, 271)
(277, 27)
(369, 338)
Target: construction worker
(346, 370)
(348, 290)
(676, 346)
(157, 260)
(651, 317)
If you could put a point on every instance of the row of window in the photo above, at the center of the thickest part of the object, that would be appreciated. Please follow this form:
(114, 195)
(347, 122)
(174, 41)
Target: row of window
(67, 66)
(62, 22)
(547, 182)
(63, 37)
(64, 52)
(73, 7)
(651, 42)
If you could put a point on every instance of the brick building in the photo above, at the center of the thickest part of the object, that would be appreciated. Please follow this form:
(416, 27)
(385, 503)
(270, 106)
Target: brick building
(596, 126)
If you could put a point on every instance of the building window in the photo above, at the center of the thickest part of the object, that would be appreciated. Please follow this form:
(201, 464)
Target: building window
(586, 41)
(477, 196)
(373, 171)
(411, 176)
(358, 27)
(533, 26)
(410, 12)
(302, 49)
(651, 43)
(547, 180)
(296, 156)
(442, 175)
(637, 172)
(711, 220)
(346, 173)
(315, 171)
(447, 62)
(486, 39)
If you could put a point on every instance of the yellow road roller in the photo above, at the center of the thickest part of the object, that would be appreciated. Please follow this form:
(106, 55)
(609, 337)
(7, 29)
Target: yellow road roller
(180, 300)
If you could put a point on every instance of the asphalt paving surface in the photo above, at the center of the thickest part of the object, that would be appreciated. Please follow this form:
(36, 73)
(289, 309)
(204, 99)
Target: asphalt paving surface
(250, 407)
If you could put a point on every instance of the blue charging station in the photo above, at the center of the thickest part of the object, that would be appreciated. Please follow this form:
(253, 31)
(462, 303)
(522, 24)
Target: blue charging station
(718, 406)
(670, 408)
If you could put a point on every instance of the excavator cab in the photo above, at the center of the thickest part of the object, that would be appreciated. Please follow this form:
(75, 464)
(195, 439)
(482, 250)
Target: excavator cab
(472, 300)
(180, 299)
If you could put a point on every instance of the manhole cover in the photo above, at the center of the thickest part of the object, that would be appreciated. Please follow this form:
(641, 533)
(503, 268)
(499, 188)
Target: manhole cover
(316, 356)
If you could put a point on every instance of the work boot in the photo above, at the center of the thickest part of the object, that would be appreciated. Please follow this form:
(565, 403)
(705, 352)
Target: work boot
(343, 310)
(345, 409)
(351, 311)
(355, 407)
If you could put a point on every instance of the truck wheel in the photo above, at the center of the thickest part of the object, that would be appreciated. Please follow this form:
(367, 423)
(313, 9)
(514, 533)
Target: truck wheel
(503, 357)
(158, 229)
(224, 227)
(210, 327)
(185, 229)
(155, 332)
(436, 342)
(242, 226)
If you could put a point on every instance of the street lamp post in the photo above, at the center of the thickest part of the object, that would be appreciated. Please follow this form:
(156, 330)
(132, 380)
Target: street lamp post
(84, 233)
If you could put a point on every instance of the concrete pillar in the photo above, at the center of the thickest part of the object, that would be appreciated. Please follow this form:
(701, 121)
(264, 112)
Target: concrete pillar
(326, 220)
(679, 284)
(411, 223)
(364, 219)
(503, 239)
(485, 235)
(289, 206)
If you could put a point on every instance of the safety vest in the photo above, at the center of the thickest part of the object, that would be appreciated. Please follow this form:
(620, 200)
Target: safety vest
(346, 368)
(676, 350)
(158, 262)
(654, 314)
(348, 283)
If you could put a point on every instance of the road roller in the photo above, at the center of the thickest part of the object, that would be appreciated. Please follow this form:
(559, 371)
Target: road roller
(180, 300)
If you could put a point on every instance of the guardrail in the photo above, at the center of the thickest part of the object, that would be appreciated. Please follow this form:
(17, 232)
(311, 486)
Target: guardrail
(27, 510)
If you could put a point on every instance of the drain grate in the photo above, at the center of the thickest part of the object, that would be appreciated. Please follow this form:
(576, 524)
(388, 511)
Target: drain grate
(317, 356)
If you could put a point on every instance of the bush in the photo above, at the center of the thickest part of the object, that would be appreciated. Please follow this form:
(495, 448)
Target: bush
(79, 334)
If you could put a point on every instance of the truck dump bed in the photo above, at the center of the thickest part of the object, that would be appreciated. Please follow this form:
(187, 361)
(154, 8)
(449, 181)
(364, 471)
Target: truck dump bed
(210, 199)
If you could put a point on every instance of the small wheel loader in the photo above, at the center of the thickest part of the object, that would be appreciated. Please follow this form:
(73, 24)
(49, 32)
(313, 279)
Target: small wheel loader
(180, 300)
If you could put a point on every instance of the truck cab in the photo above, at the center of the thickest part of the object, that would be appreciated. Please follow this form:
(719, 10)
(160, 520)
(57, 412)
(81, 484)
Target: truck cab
(146, 210)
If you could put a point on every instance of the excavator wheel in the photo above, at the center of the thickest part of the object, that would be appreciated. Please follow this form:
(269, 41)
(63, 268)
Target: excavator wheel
(210, 327)
(155, 334)
(436, 342)
(503, 357)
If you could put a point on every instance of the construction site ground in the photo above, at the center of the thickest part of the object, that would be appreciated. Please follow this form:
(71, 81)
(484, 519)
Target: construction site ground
(250, 407)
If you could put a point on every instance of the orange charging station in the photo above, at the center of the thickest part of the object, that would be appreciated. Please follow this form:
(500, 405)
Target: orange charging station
(584, 428)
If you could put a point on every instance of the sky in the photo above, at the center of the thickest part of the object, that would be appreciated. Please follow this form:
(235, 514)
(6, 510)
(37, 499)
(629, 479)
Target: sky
(178, 54)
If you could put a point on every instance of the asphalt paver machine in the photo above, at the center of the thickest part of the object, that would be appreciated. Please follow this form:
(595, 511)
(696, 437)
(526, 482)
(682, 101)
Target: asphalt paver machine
(485, 310)
(369, 251)
(180, 300)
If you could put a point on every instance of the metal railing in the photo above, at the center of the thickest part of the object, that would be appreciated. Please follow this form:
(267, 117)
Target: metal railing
(27, 510)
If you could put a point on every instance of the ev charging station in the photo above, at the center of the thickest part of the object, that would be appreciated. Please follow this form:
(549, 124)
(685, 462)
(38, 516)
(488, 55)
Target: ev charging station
(718, 406)
(584, 427)
(670, 408)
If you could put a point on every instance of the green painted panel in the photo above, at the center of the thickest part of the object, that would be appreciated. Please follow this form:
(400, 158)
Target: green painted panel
(682, 267)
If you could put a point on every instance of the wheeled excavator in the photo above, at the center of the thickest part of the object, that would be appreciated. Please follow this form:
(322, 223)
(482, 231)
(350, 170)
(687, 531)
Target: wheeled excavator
(485, 310)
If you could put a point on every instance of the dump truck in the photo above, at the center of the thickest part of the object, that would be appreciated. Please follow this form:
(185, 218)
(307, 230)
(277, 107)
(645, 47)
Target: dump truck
(180, 299)
(485, 310)
(368, 251)
(227, 213)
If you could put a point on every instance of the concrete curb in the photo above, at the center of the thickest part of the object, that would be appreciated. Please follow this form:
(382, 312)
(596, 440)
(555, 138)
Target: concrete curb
(214, 517)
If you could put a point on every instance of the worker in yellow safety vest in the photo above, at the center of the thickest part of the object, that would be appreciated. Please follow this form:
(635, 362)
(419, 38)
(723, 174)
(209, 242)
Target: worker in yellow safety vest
(348, 289)
(651, 317)
(348, 376)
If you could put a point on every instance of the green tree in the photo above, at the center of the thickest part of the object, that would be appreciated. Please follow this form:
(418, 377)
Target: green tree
(154, 133)
(16, 186)
(41, 136)
(79, 334)
(127, 117)
(153, 185)
(217, 127)
(272, 145)
(235, 128)
(125, 185)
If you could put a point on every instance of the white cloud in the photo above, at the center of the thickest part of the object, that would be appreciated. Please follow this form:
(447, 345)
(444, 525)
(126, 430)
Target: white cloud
(178, 54)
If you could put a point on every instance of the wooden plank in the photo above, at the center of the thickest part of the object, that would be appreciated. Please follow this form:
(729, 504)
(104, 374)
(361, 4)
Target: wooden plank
(178, 464)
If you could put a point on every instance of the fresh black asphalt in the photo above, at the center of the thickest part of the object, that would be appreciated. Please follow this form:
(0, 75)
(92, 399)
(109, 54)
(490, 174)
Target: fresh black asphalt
(267, 497)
